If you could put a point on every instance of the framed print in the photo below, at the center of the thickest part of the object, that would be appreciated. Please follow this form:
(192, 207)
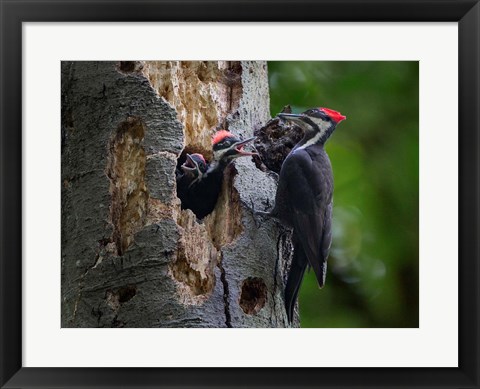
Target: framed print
(176, 175)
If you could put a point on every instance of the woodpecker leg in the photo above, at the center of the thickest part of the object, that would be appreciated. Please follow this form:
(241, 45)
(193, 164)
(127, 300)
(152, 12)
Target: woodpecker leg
(274, 175)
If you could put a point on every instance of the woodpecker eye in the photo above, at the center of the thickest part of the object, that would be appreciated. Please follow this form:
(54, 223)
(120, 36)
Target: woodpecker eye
(323, 116)
(219, 145)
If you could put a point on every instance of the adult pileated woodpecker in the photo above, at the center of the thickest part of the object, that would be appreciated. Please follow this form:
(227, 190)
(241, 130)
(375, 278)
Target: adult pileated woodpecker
(189, 173)
(204, 192)
(304, 198)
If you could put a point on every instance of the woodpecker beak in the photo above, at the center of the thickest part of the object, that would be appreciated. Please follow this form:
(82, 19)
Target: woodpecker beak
(291, 117)
(238, 147)
(190, 166)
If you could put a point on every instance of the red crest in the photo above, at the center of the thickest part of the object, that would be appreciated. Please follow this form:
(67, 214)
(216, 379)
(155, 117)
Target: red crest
(336, 116)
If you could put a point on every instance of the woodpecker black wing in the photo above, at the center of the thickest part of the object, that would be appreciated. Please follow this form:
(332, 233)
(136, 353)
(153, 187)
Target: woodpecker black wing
(310, 205)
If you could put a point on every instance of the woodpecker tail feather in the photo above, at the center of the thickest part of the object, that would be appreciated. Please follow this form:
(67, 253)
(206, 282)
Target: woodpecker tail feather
(295, 277)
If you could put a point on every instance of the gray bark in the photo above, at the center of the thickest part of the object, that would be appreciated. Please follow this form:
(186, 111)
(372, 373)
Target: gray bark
(130, 256)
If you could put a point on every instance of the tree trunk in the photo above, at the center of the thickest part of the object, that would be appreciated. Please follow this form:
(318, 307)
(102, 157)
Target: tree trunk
(130, 256)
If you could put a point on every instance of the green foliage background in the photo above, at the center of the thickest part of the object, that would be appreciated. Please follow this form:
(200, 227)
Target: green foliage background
(372, 278)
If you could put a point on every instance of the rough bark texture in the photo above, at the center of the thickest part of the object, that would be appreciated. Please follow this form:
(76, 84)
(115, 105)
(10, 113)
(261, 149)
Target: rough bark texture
(130, 256)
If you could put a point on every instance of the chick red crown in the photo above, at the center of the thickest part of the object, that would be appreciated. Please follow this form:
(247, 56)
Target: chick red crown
(221, 135)
(200, 156)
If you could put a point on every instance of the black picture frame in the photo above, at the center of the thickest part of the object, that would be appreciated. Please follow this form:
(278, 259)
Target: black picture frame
(14, 13)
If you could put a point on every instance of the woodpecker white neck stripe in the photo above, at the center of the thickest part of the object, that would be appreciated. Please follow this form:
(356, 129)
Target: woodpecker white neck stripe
(311, 141)
(323, 126)
(218, 154)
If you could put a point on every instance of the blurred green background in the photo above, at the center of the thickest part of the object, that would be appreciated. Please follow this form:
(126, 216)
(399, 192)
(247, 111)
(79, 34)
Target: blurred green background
(372, 278)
